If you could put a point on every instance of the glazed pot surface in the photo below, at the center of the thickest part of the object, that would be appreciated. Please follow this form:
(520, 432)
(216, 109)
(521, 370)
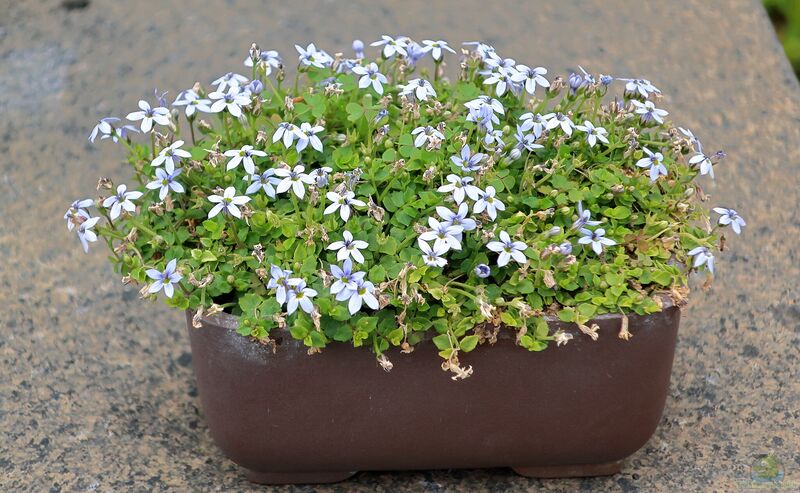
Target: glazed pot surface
(573, 410)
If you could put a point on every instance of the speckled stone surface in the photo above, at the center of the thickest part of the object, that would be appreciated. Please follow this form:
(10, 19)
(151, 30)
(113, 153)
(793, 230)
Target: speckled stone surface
(96, 387)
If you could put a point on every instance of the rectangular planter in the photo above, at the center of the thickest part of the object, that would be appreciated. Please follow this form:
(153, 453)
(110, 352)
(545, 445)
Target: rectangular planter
(574, 410)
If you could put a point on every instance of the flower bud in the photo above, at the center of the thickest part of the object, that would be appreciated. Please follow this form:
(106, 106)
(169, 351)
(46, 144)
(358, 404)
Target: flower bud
(555, 230)
(358, 47)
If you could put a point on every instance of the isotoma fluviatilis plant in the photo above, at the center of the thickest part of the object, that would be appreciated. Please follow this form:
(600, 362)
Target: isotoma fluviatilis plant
(377, 202)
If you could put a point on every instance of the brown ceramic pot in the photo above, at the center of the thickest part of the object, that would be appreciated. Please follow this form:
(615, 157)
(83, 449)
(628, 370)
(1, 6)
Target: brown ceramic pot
(574, 410)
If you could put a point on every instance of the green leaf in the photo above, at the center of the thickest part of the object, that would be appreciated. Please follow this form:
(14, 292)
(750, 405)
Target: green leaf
(468, 343)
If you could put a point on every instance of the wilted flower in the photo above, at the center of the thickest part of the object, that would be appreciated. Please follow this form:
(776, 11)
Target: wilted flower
(584, 218)
(227, 202)
(321, 176)
(489, 203)
(122, 200)
(508, 250)
(164, 182)
(730, 216)
(164, 279)
(349, 247)
(596, 239)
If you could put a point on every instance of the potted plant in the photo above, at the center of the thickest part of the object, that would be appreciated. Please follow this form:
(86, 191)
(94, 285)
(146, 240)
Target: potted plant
(530, 236)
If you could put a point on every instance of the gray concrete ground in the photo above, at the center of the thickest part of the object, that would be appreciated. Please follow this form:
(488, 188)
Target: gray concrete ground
(96, 387)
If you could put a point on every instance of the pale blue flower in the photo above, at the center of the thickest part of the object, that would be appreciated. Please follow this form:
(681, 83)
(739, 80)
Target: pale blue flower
(425, 134)
(243, 156)
(489, 203)
(148, 116)
(493, 139)
(655, 162)
(229, 80)
(704, 163)
(193, 102)
(164, 279)
(730, 216)
(164, 182)
(310, 56)
(308, 135)
(287, 132)
(648, 112)
(414, 53)
(593, 134)
(535, 122)
(265, 181)
(85, 233)
(495, 105)
(524, 142)
(227, 202)
(349, 247)
(107, 128)
(702, 256)
(420, 88)
(391, 46)
(501, 79)
(294, 178)
(345, 280)
(281, 281)
(433, 255)
(300, 295)
(484, 117)
(565, 248)
(529, 77)
(123, 199)
(559, 119)
(171, 155)
(343, 202)
(584, 218)
(436, 47)
(457, 218)
(596, 239)
(643, 87)
(358, 48)
(321, 176)
(370, 75)
(467, 161)
(77, 212)
(363, 293)
(445, 236)
(508, 250)
(232, 101)
(267, 60)
(461, 188)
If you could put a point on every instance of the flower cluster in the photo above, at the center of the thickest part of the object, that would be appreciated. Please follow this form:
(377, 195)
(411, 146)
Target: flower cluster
(374, 200)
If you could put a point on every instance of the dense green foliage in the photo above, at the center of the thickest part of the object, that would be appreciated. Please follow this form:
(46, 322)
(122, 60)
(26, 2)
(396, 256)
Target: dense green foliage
(225, 261)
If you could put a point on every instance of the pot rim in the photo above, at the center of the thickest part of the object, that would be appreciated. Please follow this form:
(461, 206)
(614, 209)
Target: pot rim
(231, 322)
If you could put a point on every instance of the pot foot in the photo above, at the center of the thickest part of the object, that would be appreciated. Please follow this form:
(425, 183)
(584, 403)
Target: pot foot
(570, 471)
(297, 477)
